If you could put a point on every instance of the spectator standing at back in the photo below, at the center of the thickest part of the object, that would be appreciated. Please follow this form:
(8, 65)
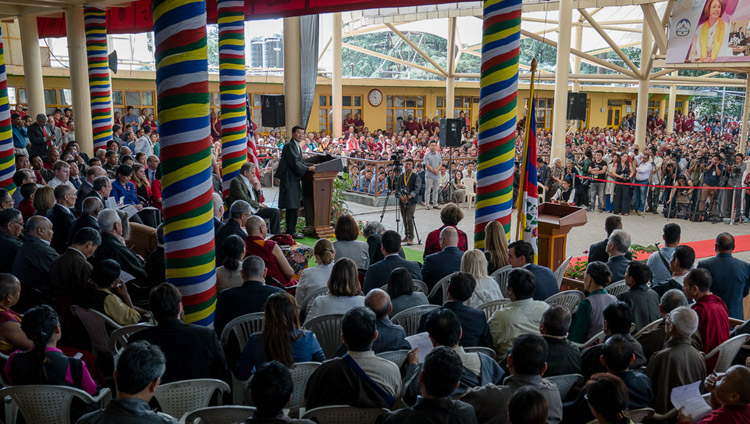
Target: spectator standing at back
(521, 255)
(659, 261)
(432, 162)
(617, 246)
(713, 318)
(643, 302)
(731, 276)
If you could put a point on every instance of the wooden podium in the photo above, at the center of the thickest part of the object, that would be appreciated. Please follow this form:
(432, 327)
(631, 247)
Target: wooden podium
(555, 221)
(317, 194)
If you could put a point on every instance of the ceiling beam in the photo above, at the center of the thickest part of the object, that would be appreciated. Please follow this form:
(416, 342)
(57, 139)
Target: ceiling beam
(392, 59)
(651, 18)
(417, 49)
(590, 19)
(322, 52)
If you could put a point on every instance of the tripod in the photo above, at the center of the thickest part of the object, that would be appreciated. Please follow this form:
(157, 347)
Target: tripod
(394, 190)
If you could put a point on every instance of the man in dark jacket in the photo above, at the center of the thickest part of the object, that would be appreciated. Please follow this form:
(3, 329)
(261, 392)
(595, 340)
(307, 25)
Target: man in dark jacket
(521, 255)
(11, 226)
(39, 137)
(617, 246)
(33, 261)
(390, 336)
(90, 209)
(70, 272)
(239, 212)
(730, 276)
(292, 168)
(407, 186)
(112, 246)
(379, 272)
(443, 263)
(562, 357)
(62, 217)
(192, 351)
(598, 251)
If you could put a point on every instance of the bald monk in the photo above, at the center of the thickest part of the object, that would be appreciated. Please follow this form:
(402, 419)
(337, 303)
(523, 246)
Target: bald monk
(730, 398)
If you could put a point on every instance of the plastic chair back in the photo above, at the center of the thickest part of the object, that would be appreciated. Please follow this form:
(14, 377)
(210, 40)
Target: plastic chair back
(398, 357)
(617, 288)
(490, 307)
(96, 324)
(648, 327)
(344, 414)
(441, 285)
(481, 349)
(727, 351)
(242, 327)
(47, 404)
(471, 195)
(180, 397)
(640, 415)
(218, 415)
(568, 298)
(560, 271)
(308, 300)
(595, 339)
(501, 276)
(300, 374)
(565, 382)
(409, 318)
(119, 338)
(327, 329)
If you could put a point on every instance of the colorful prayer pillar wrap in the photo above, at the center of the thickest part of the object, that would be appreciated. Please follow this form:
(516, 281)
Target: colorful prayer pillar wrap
(232, 89)
(7, 153)
(185, 133)
(501, 41)
(95, 21)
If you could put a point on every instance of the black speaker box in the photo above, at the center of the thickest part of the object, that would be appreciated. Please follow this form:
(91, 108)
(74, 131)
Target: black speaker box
(272, 111)
(450, 132)
(577, 103)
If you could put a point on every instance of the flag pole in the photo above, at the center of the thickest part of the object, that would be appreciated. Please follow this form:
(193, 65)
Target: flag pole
(521, 182)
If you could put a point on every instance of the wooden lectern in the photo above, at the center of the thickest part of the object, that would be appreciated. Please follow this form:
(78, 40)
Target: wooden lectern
(317, 194)
(555, 221)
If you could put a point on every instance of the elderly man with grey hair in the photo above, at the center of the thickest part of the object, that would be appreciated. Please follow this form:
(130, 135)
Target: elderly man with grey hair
(113, 247)
(218, 204)
(248, 298)
(33, 260)
(652, 340)
(679, 363)
(38, 138)
(617, 246)
(239, 212)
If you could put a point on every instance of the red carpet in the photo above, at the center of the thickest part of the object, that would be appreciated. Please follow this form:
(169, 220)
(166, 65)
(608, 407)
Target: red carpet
(703, 248)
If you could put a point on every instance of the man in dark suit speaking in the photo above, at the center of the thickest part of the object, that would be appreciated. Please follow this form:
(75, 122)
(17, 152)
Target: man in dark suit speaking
(292, 168)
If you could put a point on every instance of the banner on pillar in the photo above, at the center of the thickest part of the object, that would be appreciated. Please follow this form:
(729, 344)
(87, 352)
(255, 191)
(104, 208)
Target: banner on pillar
(100, 85)
(7, 152)
(232, 91)
(185, 133)
(501, 41)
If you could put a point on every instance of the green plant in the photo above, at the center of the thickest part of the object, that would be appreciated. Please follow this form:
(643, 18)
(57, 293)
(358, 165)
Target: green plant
(338, 204)
(577, 270)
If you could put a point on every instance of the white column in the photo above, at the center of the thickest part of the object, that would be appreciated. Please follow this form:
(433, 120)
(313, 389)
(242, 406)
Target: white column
(79, 77)
(32, 64)
(450, 97)
(292, 74)
(337, 90)
(561, 80)
(450, 80)
(745, 111)
(642, 105)
(672, 104)
(577, 59)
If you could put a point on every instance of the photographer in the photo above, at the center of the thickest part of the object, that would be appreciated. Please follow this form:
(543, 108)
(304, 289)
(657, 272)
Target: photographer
(736, 171)
(656, 177)
(406, 186)
(678, 204)
(711, 178)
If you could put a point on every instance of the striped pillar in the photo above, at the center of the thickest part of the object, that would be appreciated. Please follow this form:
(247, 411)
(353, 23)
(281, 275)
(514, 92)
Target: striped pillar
(184, 130)
(232, 88)
(95, 21)
(501, 40)
(7, 154)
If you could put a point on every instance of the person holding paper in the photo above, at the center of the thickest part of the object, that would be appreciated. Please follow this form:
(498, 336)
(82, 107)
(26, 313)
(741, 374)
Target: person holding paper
(730, 398)
(679, 363)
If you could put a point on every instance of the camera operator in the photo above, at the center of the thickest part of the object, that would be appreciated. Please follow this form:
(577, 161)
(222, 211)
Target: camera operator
(669, 171)
(736, 171)
(711, 178)
(655, 179)
(695, 174)
(406, 186)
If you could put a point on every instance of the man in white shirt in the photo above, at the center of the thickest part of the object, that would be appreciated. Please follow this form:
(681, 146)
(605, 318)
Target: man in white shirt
(659, 261)
(643, 170)
(62, 175)
(432, 162)
(143, 144)
(681, 263)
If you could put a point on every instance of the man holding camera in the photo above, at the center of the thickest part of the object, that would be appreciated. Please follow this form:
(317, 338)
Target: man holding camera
(736, 171)
(407, 187)
(711, 178)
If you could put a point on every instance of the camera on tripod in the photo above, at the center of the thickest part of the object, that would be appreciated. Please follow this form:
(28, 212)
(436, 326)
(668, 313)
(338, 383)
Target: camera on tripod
(396, 157)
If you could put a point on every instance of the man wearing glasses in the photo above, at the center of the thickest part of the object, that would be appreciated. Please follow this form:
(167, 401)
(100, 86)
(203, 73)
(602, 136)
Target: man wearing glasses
(11, 226)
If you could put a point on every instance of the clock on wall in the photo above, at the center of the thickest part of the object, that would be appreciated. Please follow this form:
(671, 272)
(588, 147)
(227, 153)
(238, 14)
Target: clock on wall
(375, 97)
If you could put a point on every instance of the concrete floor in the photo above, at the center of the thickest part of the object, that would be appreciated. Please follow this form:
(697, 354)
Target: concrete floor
(644, 230)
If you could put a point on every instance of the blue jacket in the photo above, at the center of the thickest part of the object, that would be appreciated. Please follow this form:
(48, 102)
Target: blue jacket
(125, 193)
(20, 137)
(378, 273)
(474, 327)
(305, 349)
(731, 280)
(546, 283)
(438, 265)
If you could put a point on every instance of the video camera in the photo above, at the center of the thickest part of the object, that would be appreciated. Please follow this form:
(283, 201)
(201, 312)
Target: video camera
(397, 157)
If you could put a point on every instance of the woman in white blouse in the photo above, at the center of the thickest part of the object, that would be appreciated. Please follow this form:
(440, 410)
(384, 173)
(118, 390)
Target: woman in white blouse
(487, 288)
(343, 291)
(316, 277)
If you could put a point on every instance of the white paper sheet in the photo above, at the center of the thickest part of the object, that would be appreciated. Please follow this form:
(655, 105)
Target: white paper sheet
(422, 342)
(690, 397)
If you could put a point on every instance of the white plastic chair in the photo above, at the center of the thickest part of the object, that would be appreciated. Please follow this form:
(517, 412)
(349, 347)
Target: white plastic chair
(560, 271)
(481, 349)
(308, 300)
(327, 329)
(490, 307)
(441, 285)
(180, 397)
(501, 276)
(471, 195)
(300, 374)
(119, 338)
(419, 286)
(96, 324)
(617, 288)
(409, 318)
(344, 414)
(218, 415)
(568, 299)
(46, 404)
(648, 327)
(242, 327)
(398, 357)
(640, 415)
(565, 383)
(595, 339)
(727, 351)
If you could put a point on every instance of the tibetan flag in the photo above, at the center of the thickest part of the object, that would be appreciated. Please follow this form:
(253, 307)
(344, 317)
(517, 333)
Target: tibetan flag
(252, 147)
(528, 198)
